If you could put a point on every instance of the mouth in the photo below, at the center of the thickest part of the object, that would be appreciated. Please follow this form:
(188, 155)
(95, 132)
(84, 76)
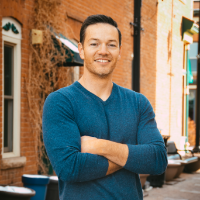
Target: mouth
(102, 60)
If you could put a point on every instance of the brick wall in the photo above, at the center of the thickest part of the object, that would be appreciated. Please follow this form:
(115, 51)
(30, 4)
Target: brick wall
(196, 5)
(148, 50)
(21, 10)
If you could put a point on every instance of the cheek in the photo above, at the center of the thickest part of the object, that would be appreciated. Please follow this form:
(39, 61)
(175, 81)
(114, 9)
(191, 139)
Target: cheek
(116, 57)
(88, 59)
(89, 55)
(115, 54)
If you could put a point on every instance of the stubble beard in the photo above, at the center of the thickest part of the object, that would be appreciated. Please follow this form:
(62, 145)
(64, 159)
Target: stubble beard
(101, 75)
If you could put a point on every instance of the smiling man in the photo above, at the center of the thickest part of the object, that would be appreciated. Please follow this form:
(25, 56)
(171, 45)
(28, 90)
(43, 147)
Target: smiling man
(99, 136)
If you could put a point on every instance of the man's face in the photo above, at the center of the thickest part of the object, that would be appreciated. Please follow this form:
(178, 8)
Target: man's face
(100, 50)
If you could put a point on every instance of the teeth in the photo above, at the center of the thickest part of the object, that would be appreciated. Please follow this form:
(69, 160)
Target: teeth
(102, 61)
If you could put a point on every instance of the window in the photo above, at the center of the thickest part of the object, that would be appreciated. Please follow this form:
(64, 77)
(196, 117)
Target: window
(11, 46)
(193, 52)
(8, 98)
(192, 104)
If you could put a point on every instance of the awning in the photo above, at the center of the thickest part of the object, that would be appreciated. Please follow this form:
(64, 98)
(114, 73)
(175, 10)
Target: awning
(71, 50)
(189, 28)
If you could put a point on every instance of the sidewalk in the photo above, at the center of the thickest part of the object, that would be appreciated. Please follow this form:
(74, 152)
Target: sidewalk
(189, 189)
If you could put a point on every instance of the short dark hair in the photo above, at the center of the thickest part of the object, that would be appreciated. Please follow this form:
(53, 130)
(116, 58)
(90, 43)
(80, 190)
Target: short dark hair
(95, 19)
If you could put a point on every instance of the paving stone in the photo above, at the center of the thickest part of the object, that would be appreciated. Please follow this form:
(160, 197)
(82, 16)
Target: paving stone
(189, 189)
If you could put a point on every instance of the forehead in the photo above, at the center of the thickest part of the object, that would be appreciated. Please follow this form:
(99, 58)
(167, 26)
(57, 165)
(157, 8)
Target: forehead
(101, 31)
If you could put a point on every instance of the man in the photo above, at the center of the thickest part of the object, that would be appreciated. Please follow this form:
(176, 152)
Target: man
(100, 136)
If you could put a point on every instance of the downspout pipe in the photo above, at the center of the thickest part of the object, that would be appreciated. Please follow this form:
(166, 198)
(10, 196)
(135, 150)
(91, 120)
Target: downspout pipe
(136, 46)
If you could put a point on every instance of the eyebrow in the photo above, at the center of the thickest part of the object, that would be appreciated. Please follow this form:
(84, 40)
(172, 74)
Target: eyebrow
(98, 40)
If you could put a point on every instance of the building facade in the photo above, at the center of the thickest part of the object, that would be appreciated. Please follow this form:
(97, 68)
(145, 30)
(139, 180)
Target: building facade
(161, 79)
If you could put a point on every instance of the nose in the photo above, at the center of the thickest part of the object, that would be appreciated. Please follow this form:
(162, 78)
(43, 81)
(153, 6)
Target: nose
(103, 49)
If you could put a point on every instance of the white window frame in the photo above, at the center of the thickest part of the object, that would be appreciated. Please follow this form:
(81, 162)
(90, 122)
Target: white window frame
(8, 37)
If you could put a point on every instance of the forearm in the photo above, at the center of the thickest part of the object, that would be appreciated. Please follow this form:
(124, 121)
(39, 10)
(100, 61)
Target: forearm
(113, 151)
(134, 158)
(141, 159)
(112, 167)
(147, 158)
(91, 145)
(82, 167)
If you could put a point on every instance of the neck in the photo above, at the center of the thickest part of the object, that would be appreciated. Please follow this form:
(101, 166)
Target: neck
(101, 87)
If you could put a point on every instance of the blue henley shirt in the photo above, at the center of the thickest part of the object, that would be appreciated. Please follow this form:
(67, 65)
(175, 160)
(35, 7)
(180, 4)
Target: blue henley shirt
(125, 117)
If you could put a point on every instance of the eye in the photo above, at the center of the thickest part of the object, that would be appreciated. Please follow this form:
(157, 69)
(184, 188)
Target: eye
(93, 44)
(112, 45)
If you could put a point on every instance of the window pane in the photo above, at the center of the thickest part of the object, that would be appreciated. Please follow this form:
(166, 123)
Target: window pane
(192, 104)
(194, 70)
(191, 120)
(8, 61)
(8, 125)
(193, 52)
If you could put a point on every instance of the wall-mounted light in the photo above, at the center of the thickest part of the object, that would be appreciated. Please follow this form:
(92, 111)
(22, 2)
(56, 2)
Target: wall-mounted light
(37, 36)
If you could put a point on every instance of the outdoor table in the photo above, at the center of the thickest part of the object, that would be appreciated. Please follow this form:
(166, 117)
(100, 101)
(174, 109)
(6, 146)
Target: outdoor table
(15, 193)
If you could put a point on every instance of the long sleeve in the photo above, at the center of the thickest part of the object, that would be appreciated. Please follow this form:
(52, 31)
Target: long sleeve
(149, 155)
(62, 141)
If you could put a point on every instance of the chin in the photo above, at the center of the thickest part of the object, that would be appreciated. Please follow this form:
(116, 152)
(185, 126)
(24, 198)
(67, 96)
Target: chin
(104, 74)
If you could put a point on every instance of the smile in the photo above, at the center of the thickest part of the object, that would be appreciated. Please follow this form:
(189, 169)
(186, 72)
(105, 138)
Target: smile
(102, 61)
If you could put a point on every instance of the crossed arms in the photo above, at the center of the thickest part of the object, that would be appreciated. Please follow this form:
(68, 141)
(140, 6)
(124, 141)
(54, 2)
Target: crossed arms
(79, 159)
(116, 153)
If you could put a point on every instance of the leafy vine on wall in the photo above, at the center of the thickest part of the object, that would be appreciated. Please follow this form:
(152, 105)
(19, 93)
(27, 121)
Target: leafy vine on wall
(44, 76)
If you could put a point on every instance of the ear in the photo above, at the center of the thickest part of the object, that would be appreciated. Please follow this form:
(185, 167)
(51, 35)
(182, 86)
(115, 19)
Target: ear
(120, 51)
(81, 51)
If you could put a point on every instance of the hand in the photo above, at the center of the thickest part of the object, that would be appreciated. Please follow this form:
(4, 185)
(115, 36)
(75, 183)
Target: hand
(88, 144)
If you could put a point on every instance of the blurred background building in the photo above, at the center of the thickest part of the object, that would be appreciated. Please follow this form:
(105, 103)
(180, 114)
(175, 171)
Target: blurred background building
(193, 52)
(168, 66)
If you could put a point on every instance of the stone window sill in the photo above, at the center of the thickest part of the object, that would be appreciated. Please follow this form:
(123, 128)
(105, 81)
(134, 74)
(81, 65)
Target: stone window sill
(8, 163)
